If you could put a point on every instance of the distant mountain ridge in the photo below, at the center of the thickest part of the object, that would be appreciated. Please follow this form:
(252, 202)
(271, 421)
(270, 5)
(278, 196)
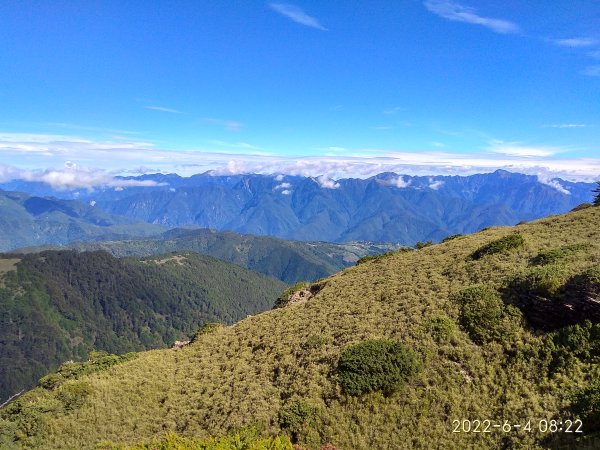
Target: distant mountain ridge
(30, 220)
(384, 208)
(289, 261)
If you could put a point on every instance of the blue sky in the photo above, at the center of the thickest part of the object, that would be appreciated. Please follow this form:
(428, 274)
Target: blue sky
(334, 88)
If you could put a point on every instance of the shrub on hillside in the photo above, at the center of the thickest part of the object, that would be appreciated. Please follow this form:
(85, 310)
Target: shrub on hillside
(297, 414)
(582, 206)
(376, 365)
(207, 328)
(586, 283)
(545, 281)
(442, 328)
(97, 362)
(451, 237)
(485, 317)
(580, 340)
(376, 257)
(556, 254)
(510, 242)
(73, 395)
(586, 406)
(419, 245)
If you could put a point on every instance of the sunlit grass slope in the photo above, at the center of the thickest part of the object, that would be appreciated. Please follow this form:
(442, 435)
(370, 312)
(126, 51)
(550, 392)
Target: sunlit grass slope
(480, 362)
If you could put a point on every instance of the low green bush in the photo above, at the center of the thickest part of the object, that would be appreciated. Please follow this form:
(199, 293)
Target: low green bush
(442, 328)
(296, 414)
(485, 317)
(207, 328)
(73, 395)
(97, 362)
(582, 206)
(376, 365)
(588, 282)
(510, 242)
(25, 430)
(586, 406)
(556, 254)
(419, 245)
(580, 340)
(451, 237)
(545, 281)
(51, 381)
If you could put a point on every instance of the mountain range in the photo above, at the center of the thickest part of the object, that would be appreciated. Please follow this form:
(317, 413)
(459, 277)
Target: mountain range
(384, 208)
(27, 220)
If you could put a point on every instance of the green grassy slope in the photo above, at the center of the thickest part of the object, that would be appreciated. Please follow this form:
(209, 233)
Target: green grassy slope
(477, 357)
(59, 305)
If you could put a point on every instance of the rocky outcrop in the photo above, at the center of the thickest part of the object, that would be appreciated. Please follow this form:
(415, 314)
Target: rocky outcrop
(179, 344)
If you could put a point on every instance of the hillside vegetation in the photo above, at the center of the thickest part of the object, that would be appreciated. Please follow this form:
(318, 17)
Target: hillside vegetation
(60, 305)
(385, 355)
(289, 261)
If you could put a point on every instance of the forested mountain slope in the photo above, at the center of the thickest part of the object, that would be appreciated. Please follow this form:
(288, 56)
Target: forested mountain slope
(289, 261)
(60, 305)
(385, 355)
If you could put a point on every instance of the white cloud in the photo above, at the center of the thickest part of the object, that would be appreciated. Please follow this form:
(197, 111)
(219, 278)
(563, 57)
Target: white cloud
(294, 13)
(553, 183)
(71, 177)
(435, 185)
(398, 182)
(231, 125)
(327, 183)
(458, 13)
(576, 42)
(283, 186)
(519, 150)
(29, 151)
(566, 125)
(240, 145)
(163, 109)
(286, 192)
(93, 203)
